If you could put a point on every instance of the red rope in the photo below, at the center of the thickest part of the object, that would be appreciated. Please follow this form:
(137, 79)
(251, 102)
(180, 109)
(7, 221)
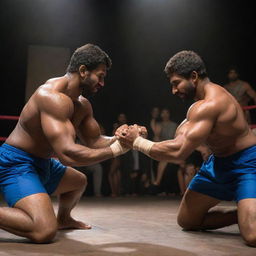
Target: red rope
(248, 107)
(3, 117)
(9, 117)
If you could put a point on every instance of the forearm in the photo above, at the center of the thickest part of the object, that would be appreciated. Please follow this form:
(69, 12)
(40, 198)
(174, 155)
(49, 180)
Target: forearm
(79, 155)
(164, 151)
(168, 151)
(102, 142)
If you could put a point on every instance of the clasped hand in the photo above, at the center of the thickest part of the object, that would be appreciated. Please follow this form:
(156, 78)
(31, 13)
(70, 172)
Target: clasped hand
(127, 134)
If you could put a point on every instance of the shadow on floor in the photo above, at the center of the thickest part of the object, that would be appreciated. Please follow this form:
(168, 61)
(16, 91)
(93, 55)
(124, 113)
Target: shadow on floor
(66, 246)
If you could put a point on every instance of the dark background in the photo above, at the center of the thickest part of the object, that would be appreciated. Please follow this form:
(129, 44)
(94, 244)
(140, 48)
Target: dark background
(139, 35)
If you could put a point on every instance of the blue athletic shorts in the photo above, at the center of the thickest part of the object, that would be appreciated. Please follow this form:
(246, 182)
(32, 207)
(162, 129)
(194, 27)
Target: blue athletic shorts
(229, 178)
(22, 174)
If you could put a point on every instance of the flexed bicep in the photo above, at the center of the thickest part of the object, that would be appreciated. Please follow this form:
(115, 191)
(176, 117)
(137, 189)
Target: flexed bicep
(89, 130)
(193, 132)
(55, 113)
(59, 132)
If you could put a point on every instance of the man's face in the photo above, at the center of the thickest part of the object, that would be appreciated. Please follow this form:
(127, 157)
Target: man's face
(232, 75)
(165, 115)
(155, 112)
(182, 87)
(122, 118)
(93, 81)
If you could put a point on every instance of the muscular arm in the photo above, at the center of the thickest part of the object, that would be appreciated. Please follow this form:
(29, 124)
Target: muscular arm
(250, 92)
(89, 131)
(90, 134)
(56, 110)
(189, 136)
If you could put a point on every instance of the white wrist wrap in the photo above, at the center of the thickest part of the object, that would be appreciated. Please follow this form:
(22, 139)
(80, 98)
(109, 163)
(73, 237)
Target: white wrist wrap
(143, 145)
(118, 149)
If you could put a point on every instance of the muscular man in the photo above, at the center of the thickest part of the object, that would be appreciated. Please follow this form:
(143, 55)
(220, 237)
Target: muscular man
(241, 90)
(230, 172)
(49, 123)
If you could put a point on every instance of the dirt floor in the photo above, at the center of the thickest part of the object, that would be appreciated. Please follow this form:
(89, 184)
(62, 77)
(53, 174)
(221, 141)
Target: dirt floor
(131, 226)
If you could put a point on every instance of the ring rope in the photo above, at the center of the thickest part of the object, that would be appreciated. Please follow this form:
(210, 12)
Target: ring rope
(9, 117)
(6, 117)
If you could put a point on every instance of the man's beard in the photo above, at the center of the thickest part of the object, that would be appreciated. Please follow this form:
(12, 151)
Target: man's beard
(86, 92)
(191, 92)
(87, 88)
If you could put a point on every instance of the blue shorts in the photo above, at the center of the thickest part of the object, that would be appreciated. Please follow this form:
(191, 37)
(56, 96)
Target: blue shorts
(230, 178)
(22, 174)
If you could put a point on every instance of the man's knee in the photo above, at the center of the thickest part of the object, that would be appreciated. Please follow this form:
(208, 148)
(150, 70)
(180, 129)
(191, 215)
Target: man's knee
(81, 181)
(84, 179)
(44, 235)
(186, 223)
(250, 239)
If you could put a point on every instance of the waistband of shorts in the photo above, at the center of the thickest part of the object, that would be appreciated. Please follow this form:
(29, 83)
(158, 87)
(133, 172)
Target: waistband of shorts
(239, 153)
(21, 152)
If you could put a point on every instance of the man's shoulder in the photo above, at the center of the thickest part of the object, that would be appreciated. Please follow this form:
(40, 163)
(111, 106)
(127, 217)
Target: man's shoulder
(83, 105)
(83, 101)
(245, 84)
(46, 94)
(205, 108)
(52, 101)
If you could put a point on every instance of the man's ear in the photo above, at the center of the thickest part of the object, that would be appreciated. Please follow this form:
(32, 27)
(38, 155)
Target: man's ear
(83, 71)
(194, 76)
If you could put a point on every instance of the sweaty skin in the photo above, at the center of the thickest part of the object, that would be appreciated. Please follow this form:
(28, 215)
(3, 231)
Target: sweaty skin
(215, 119)
(48, 125)
(50, 121)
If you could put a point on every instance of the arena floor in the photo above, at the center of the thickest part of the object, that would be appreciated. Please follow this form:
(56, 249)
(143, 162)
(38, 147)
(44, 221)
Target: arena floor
(135, 226)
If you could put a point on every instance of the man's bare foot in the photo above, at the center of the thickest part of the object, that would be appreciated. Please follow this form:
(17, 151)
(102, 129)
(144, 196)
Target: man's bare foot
(72, 224)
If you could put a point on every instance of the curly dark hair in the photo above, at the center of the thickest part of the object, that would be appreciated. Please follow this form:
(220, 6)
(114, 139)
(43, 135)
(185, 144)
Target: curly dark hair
(89, 55)
(184, 63)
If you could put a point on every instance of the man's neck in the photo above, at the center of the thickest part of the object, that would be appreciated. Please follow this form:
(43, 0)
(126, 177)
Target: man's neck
(72, 89)
(200, 89)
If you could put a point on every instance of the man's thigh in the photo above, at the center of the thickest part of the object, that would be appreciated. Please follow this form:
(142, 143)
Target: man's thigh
(194, 206)
(39, 207)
